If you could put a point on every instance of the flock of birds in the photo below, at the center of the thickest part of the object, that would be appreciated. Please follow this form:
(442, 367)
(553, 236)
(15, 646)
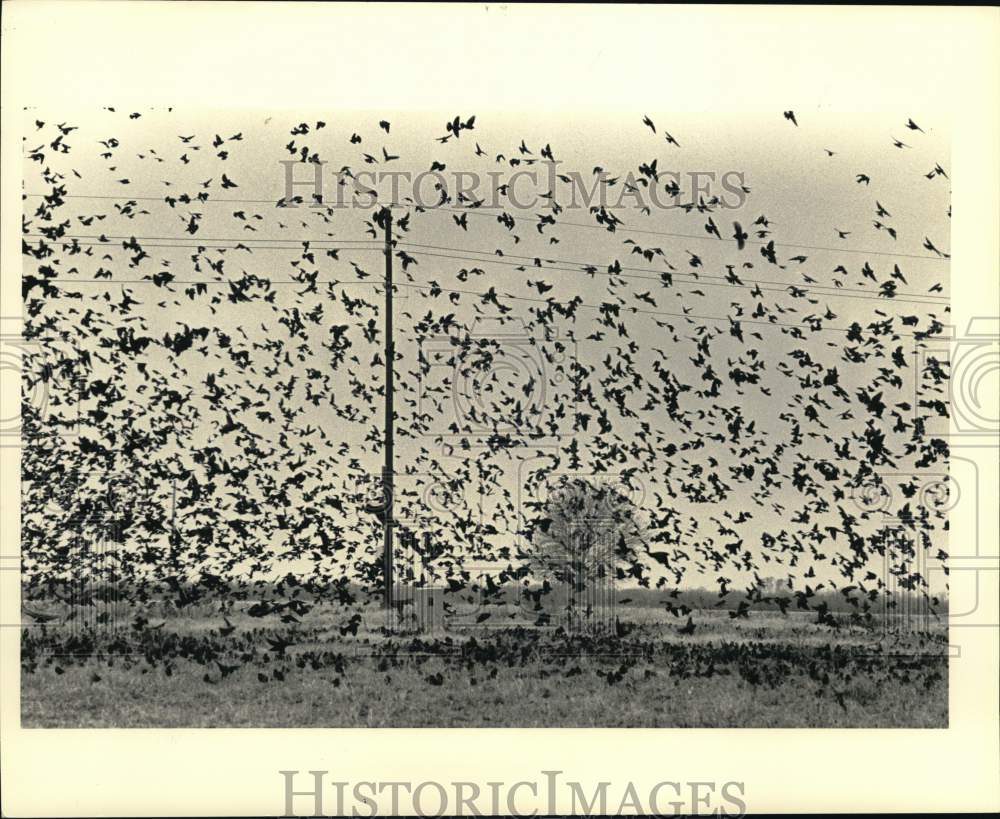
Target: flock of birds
(216, 396)
(840, 673)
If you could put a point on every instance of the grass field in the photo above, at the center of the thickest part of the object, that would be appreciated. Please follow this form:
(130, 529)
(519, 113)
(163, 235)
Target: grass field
(767, 670)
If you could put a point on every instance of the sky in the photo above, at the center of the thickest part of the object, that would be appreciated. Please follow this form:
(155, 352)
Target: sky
(682, 321)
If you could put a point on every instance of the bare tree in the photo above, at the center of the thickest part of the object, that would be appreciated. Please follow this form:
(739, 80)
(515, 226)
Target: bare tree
(587, 538)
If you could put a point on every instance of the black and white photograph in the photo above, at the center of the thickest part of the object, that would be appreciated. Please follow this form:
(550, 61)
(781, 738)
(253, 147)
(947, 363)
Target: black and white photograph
(361, 419)
(484, 416)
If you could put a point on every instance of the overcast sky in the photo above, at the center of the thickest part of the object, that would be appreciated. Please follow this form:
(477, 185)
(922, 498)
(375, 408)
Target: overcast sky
(806, 195)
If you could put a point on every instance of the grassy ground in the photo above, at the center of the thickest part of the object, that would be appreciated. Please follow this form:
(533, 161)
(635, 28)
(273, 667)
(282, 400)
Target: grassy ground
(768, 670)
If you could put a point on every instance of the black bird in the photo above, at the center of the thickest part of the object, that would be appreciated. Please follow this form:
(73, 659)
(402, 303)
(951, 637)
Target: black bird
(739, 235)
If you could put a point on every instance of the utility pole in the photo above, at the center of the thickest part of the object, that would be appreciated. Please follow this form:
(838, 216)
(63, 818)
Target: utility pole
(173, 523)
(388, 487)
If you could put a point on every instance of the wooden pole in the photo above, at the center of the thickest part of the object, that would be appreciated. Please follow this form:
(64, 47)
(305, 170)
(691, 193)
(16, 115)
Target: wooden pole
(173, 525)
(387, 471)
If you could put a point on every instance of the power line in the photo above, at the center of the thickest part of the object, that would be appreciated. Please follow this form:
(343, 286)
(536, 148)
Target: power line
(697, 276)
(104, 238)
(479, 211)
(706, 284)
(271, 282)
(635, 310)
(832, 294)
(853, 293)
(548, 302)
(179, 198)
(518, 265)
